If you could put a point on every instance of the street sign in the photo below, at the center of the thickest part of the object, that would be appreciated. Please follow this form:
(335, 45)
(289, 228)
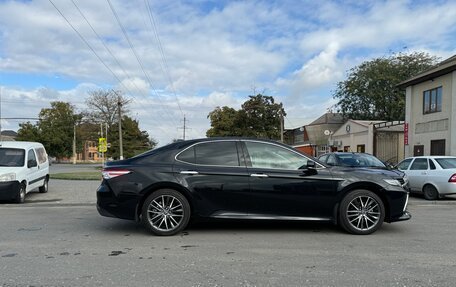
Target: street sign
(102, 145)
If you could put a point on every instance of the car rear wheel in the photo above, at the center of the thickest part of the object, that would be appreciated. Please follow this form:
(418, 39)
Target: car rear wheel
(361, 212)
(45, 186)
(20, 198)
(166, 212)
(430, 192)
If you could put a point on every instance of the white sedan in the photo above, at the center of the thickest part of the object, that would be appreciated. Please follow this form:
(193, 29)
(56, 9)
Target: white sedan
(434, 176)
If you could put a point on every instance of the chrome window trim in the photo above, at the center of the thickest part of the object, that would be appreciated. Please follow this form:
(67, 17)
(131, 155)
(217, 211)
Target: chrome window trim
(243, 140)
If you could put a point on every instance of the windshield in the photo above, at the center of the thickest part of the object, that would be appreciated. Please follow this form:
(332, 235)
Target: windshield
(359, 160)
(447, 163)
(12, 157)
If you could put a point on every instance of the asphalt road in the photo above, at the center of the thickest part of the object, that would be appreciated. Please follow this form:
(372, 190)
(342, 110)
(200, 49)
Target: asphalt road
(58, 239)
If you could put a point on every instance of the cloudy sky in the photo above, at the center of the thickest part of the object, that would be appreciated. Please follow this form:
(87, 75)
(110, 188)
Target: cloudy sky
(176, 58)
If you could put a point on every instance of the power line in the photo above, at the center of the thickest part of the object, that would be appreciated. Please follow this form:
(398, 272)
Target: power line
(133, 49)
(103, 42)
(165, 67)
(88, 45)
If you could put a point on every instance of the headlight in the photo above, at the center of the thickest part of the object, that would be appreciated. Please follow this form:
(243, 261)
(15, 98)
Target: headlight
(8, 177)
(394, 182)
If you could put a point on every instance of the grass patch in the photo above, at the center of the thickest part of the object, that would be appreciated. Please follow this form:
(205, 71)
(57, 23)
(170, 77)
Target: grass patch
(83, 175)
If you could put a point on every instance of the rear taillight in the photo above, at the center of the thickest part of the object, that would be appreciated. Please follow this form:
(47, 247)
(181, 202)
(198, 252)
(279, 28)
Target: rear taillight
(452, 178)
(111, 173)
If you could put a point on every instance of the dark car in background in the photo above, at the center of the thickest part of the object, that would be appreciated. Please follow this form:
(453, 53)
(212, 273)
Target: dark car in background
(236, 178)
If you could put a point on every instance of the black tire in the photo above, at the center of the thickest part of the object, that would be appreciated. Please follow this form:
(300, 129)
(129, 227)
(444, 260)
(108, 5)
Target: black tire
(166, 212)
(44, 188)
(20, 197)
(361, 212)
(430, 192)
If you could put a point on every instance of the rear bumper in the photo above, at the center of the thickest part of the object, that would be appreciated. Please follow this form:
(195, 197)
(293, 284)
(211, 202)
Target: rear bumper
(9, 190)
(110, 205)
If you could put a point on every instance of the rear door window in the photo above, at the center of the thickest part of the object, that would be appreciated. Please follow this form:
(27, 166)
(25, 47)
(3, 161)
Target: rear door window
(219, 153)
(419, 164)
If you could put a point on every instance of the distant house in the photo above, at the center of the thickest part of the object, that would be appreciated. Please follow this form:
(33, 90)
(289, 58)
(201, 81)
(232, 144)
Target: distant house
(312, 139)
(383, 139)
(430, 111)
(8, 135)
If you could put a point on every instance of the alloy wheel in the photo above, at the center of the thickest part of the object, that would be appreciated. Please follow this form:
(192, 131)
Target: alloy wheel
(165, 213)
(363, 213)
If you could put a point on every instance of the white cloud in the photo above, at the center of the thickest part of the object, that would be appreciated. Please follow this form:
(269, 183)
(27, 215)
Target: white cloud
(215, 52)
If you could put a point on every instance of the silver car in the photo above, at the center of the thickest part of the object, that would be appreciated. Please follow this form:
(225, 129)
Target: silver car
(433, 176)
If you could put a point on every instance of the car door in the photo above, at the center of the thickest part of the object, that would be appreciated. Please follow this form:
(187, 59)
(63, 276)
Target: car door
(217, 177)
(33, 172)
(417, 173)
(280, 187)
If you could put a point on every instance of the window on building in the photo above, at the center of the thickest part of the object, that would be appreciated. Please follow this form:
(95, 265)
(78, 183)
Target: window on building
(432, 101)
(360, 148)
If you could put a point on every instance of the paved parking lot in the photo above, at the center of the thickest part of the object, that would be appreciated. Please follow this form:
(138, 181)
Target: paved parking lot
(59, 239)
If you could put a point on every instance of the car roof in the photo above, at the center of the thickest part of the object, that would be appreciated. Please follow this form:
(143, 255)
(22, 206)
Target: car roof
(19, 144)
(433, 156)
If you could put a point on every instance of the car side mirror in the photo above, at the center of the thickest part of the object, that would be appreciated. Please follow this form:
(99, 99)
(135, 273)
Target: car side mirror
(310, 164)
(32, 163)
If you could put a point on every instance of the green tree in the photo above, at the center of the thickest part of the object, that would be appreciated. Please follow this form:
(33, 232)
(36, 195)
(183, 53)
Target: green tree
(134, 140)
(28, 132)
(258, 117)
(224, 122)
(56, 126)
(370, 91)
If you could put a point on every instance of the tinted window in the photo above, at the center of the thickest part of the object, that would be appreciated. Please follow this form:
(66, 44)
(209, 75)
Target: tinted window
(323, 158)
(419, 164)
(187, 155)
(431, 164)
(404, 164)
(12, 157)
(359, 160)
(331, 160)
(264, 155)
(447, 163)
(223, 153)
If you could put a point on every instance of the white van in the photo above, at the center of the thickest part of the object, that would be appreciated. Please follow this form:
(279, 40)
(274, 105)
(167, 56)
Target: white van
(24, 166)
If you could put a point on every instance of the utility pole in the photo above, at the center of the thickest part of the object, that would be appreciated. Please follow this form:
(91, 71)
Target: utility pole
(101, 135)
(184, 127)
(74, 143)
(119, 109)
(281, 126)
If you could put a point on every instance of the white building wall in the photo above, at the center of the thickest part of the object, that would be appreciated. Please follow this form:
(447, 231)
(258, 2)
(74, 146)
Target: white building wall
(452, 128)
(435, 126)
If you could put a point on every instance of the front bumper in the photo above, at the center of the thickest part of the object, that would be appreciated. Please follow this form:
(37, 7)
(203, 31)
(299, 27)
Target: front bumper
(405, 216)
(9, 190)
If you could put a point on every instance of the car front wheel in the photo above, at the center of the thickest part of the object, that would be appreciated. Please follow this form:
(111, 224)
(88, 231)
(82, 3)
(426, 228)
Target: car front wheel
(361, 212)
(166, 212)
(20, 197)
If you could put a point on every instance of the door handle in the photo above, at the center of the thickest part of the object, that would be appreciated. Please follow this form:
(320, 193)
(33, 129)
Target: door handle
(191, 172)
(259, 175)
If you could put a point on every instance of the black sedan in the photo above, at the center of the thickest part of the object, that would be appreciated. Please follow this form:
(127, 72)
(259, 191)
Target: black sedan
(235, 178)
